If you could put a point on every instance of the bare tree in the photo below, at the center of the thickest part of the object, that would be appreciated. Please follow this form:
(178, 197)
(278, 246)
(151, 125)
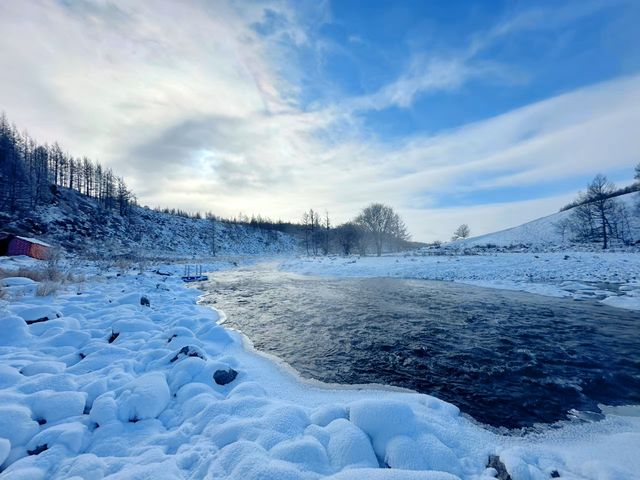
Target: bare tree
(382, 224)
(600, 217)
(306, 230)
(399, 232)
(41, 175)
(461, 232)
(563, 227)
(327, 234)
(312, 233)
(348, 236)
(88, 175)
(213, 225)
(124, 197)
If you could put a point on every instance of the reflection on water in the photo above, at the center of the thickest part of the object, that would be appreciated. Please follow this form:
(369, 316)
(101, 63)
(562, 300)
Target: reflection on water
(506, 358)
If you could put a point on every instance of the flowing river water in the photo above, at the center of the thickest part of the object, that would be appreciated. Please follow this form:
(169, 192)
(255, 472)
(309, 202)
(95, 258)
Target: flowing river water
(508, 359)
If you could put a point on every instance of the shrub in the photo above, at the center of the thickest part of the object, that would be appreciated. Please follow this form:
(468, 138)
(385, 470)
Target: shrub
(47, 288)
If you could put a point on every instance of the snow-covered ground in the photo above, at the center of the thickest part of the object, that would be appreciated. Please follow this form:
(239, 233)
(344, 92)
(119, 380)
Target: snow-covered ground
(94, 384)
(611, 277)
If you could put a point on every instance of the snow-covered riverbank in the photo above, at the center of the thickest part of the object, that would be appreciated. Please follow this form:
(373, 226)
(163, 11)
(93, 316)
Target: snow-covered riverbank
(124, 376)
(612, 277)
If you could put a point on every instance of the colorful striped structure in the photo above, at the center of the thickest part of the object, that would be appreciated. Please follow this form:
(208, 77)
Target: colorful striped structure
(12, 245)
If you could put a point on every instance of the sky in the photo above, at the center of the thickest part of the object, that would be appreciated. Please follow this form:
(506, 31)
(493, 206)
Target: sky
(490, 113)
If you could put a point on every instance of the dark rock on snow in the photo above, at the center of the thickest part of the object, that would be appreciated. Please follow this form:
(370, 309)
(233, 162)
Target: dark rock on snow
(222, 377)
(37, 320)
(38, 450)
(496, 463)
(188, 351)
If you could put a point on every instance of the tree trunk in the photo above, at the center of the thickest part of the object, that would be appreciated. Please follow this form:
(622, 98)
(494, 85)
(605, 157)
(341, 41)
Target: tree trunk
(604, 229)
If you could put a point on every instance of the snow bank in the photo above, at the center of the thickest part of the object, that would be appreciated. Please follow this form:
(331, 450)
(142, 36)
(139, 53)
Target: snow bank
(613, 277)
(79, 401)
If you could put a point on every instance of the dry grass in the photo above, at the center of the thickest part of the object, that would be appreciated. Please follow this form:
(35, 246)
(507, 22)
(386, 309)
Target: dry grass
(76, 277)
(124, 264)
(47, 288)
(50, 276)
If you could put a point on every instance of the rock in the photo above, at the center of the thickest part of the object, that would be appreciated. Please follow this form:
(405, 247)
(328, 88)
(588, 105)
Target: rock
(223, 377)
(38, 314)
(495, 463)
(38, 450)
(164, 274)
(37, 320)
(144, 301)
(191, 351)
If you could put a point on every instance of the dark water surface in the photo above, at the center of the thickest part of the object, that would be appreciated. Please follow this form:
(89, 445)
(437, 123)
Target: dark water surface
(506, 358)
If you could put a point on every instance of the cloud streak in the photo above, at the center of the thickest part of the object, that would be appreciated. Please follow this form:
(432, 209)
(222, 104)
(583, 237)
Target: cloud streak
(199, 105)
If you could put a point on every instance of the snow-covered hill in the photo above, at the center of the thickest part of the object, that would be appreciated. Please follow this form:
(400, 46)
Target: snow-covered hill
(77, 223)
(544, 232)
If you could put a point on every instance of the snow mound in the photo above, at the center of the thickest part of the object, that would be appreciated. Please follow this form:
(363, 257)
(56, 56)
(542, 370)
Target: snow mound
(145, 397)
(16, 282)
(14, 330)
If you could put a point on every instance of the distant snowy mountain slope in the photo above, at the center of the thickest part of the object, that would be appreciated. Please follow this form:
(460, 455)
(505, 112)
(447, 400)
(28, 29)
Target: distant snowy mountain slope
(77, 223)
(544, 231)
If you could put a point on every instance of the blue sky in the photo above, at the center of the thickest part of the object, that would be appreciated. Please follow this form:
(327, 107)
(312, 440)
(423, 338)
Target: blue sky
(490, 113)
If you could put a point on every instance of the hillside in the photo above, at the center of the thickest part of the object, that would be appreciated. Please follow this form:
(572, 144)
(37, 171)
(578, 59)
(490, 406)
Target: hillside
(79, 224)
(544, 232)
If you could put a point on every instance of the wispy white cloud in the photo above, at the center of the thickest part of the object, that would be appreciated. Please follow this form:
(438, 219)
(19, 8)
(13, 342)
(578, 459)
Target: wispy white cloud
(197, 103)
(148, 87)
(575, 134)
(423, 76)
(430, 74)
(438, 71)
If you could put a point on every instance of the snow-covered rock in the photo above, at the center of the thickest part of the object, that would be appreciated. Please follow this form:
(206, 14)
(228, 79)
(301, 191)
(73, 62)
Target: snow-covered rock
(16, 424)
(16, 282)
(145, 397)
(13, 330)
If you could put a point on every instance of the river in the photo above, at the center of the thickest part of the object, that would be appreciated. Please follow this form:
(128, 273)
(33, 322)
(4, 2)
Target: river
(508, 359)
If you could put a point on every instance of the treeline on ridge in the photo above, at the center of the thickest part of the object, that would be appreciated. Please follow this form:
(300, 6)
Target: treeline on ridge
(31, 172)
(32, 175)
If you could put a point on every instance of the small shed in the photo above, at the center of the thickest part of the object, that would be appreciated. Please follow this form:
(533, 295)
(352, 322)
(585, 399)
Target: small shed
(15, 245)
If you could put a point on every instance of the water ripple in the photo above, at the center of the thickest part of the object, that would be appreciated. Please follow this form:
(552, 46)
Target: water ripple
(508, 359)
